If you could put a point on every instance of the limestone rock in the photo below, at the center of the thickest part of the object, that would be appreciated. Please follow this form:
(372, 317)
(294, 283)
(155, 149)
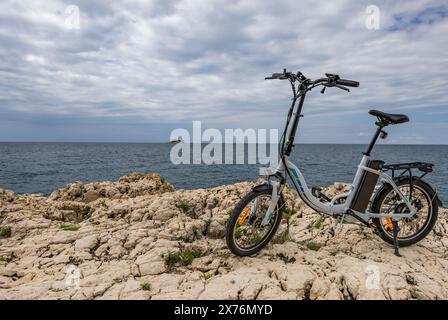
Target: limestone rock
(7, 195)
(138, 238)
(67, 210)
(86, 243)
(90, 196)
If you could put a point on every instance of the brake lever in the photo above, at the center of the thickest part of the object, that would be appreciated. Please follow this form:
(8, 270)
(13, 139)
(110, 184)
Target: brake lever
(342, 87)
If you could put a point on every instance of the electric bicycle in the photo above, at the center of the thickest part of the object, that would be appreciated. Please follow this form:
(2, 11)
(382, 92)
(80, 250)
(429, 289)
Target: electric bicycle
(400, 207)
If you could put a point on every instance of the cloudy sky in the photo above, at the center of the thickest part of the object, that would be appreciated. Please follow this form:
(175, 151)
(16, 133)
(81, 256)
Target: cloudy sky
(136, 70)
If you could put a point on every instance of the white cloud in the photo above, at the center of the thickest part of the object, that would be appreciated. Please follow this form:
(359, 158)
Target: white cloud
(175, 61)
(34, 59)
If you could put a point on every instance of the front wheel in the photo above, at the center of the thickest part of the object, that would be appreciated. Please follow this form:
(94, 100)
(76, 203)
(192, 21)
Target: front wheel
(413, 229)
(245, 234)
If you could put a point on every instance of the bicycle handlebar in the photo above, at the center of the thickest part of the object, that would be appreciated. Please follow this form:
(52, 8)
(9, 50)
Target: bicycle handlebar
(330, 80)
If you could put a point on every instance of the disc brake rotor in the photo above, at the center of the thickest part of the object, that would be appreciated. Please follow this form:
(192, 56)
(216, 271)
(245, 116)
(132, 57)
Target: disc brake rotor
(403, 208)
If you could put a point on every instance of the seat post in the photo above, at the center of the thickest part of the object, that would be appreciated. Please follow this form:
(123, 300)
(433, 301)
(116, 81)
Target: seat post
(374, 138)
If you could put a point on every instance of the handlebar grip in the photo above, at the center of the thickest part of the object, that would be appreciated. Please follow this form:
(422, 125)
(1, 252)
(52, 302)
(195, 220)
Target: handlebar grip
(347, 83)
(280, 76)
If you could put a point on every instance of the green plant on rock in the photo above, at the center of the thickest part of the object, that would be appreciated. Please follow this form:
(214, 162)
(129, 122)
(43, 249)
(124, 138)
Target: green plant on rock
(5, 232)
(187, 258)
(184, 258)
(171, 259)
(318, 223)
(238, 232)
(256, 239)
(313, 246)
(288, 213)
(146, 286)
(69, 227)
(184, 205)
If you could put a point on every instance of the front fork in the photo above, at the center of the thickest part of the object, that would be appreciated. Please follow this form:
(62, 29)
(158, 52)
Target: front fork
(277, 188)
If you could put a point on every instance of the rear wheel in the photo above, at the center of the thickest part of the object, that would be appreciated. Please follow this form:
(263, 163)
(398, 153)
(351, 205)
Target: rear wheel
(413, 229)
(245, 235)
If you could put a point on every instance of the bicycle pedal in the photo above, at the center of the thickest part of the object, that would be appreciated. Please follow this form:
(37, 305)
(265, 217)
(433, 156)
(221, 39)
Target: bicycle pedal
(317, 192)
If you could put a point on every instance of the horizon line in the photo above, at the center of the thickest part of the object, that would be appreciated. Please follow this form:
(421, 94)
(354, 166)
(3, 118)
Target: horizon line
(207, 142)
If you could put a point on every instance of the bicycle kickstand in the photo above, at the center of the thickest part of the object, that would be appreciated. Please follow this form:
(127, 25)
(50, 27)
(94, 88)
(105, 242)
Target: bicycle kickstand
(395, 231)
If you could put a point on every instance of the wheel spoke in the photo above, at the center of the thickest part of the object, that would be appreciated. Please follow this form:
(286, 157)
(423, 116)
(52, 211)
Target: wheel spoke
(250, 232)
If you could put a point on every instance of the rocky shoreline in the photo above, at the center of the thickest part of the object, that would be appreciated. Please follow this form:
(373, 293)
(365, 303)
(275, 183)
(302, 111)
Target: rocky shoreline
(139, 238)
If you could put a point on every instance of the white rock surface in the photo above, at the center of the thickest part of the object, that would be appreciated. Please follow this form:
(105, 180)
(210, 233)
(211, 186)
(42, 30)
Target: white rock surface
(138, 238)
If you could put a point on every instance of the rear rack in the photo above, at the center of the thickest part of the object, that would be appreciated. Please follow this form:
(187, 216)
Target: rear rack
(406, 168)
(422, 166)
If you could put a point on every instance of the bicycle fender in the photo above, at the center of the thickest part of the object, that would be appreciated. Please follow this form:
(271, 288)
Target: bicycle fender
(262, 187)
(266, 186)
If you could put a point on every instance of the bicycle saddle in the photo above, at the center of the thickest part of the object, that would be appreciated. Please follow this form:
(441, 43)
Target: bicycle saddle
(390, 117)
